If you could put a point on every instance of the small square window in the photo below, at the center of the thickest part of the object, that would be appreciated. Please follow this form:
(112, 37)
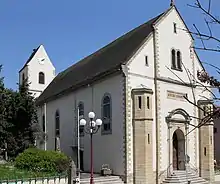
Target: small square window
(146, 60)
(174, 28)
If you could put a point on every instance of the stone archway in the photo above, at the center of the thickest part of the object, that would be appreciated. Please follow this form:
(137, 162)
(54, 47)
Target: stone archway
(178, 126)
(178, 150)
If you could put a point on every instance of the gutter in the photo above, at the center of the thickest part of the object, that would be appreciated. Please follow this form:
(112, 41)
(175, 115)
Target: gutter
(156, 104)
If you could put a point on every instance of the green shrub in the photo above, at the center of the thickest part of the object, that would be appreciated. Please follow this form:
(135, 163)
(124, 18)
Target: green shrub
(42, 161)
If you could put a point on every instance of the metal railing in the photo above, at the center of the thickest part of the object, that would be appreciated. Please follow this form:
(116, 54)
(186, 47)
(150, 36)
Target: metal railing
(61, 179)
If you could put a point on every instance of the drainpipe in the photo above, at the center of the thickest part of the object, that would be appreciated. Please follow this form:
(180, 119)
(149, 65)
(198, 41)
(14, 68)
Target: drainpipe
(45, 124)
(156, 103)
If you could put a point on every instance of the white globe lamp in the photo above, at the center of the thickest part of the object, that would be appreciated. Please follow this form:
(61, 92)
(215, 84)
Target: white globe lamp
(98, 122)
(91, 115)
(82, 122)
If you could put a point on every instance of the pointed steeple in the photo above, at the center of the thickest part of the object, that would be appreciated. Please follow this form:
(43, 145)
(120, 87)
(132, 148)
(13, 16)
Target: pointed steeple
(172, 3)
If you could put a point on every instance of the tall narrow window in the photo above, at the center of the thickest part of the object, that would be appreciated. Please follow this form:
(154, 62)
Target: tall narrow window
(23, 78)
(148, 102)
(179, 62)
(57, 124)
(205, 151)
(174, 28)
(204, 110)
(146, 60)
(139, 102)
(81, 115)
(41, 78)
(210, 110)
(57, 131)
(43, 123)
(106, 114)
(148, 138)
(173, 52)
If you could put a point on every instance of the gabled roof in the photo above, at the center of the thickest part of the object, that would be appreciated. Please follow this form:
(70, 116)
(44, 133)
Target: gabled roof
(30, 58)
(107, 59)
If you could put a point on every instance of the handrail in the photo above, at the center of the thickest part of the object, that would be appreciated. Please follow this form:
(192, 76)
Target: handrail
(166, 170)
(192, 167)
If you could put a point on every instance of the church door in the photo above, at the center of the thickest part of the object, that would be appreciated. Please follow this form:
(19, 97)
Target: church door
(178, 150)
(175, 151)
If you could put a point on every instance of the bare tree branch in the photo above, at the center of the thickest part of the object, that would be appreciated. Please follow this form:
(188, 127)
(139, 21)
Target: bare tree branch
(207, 12)
(207, 49)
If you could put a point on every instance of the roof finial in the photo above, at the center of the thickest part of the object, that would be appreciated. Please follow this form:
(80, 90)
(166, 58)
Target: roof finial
(172, 3)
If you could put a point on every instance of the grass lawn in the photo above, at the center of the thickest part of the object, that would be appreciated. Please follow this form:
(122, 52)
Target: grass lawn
(8, 172)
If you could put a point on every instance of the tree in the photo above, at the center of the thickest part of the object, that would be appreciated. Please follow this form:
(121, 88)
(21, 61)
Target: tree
(210, 42)
(18, 115)
(4, 125)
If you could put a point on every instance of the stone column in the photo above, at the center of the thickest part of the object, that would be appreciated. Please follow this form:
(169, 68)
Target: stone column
(186, 147)
(170, 166)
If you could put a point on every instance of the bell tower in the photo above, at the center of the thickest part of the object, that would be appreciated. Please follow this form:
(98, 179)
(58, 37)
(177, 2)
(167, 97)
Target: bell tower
(38, 71)
(142, 135)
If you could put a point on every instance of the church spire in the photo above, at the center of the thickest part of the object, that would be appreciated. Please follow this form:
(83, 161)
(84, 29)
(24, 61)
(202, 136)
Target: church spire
(172, 3)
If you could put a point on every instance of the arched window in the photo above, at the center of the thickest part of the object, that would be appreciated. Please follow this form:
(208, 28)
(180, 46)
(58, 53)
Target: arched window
(57, 124)
(41, 78)
(57, 131)
(81, 109)
(81, 115)
(173, 52)
(106, 114)
(179, 62)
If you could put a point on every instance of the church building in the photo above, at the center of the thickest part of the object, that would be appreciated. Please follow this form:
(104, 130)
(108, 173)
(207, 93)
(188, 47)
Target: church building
(138, 85)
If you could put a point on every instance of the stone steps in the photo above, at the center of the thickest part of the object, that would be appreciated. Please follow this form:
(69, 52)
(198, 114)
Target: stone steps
(184, 177)
(103, 180)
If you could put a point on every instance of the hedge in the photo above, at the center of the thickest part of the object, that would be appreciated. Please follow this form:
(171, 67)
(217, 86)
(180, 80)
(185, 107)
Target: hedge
(42, 161)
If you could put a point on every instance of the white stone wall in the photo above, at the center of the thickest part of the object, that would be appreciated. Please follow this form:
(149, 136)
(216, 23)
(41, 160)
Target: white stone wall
(108, 149)
(141, 75)
(167, 105)
(167, 40)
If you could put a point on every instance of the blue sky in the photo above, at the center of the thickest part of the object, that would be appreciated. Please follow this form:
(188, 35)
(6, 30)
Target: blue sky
(71, 29)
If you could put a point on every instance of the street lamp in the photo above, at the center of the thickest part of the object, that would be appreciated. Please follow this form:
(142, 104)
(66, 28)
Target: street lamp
(91, 128)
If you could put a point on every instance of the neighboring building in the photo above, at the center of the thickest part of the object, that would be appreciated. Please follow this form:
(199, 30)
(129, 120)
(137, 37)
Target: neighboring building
(38, 70)
(134, 85)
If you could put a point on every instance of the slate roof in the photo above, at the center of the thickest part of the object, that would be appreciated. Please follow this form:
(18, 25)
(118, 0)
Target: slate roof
(107, 59)
(30, 58)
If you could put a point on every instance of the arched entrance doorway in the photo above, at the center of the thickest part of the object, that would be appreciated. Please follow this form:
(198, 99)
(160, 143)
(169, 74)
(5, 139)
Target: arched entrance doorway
(178, 150)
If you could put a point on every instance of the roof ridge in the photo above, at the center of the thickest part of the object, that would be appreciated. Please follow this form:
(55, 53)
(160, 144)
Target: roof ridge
(30, 57)
(98, 51)
(100, 62)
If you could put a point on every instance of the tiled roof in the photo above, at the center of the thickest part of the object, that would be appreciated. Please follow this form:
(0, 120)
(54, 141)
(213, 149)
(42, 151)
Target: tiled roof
(107, 59)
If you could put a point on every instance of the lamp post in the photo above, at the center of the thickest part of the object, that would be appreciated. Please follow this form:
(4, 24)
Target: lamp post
(91, 128)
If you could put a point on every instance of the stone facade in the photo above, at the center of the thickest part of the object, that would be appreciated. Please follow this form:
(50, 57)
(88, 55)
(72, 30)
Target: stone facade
(142, 132)
(206, 144)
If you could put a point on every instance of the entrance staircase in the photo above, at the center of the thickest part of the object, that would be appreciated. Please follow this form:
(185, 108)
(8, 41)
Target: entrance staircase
(103, 180)
(185, 178)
